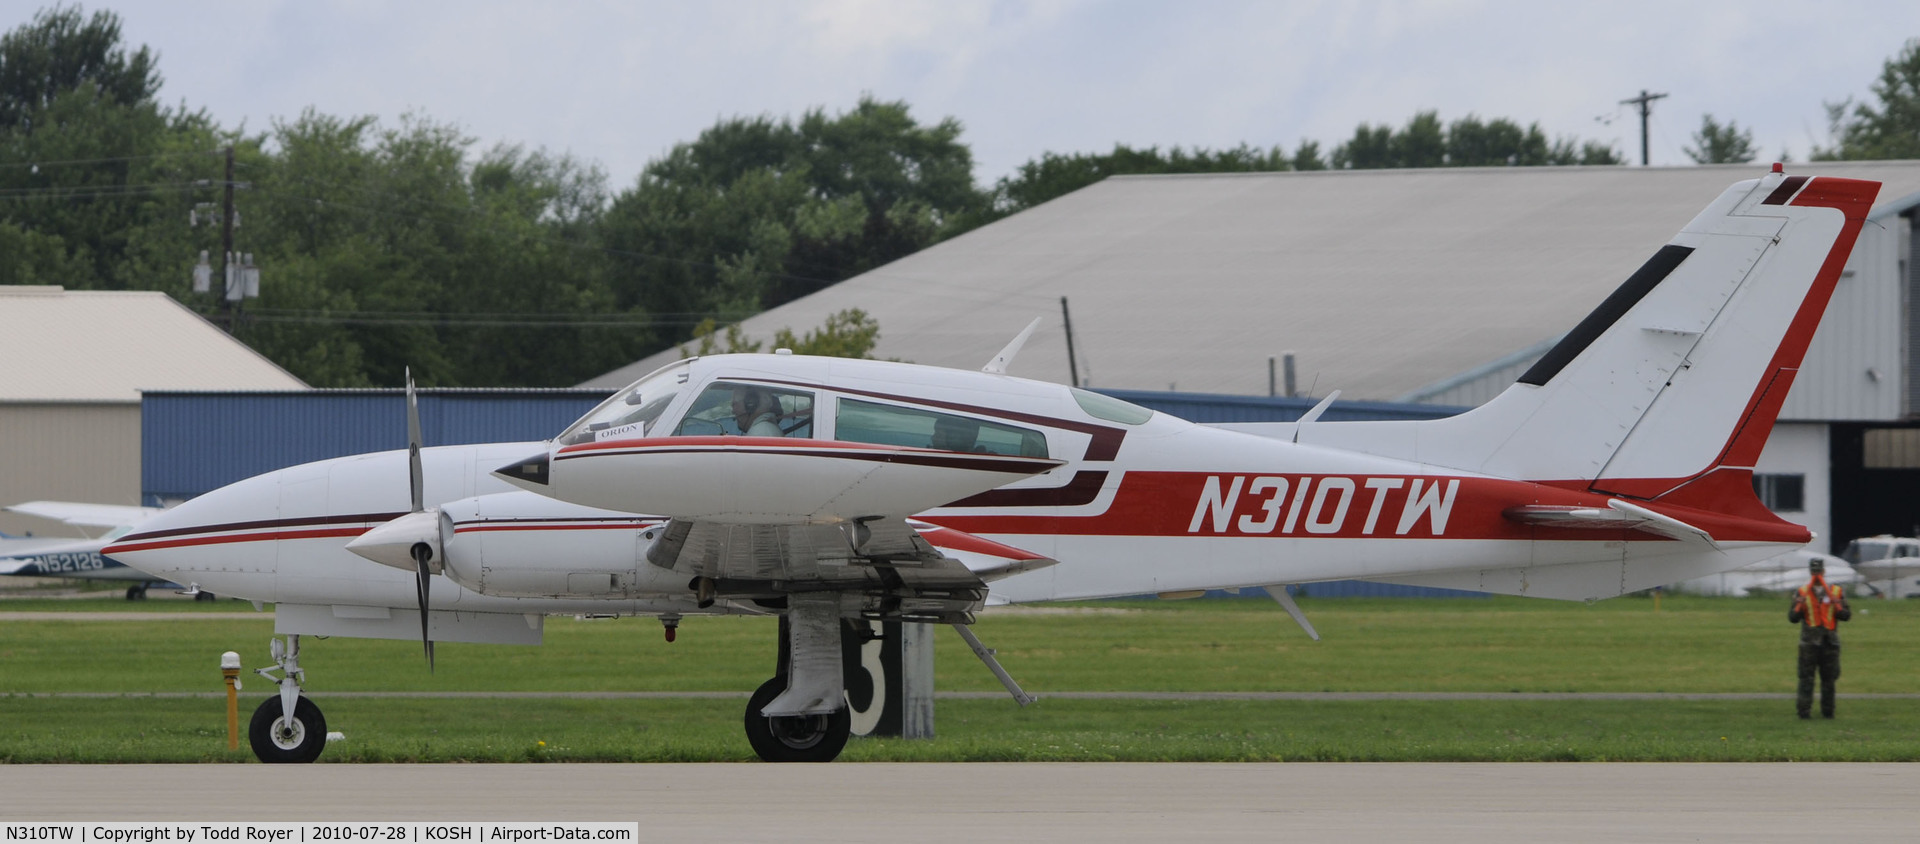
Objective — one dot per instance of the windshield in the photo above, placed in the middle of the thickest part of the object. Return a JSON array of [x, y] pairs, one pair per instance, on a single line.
[[632, 411], [1866, 551]]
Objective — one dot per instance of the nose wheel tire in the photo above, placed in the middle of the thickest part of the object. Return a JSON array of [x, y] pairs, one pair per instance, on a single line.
[[275, 739], [796, 738]]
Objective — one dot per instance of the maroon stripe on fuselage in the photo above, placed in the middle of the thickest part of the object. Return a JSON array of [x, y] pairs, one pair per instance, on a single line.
[[265, 524], [1083, 489], [938, 459]]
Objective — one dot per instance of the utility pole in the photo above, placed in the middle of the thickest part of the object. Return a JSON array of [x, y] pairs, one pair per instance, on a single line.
[[239, 277], [1645, 102], [226, 244]]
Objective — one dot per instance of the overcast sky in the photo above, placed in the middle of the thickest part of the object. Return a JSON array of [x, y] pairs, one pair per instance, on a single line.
[[620, 82]]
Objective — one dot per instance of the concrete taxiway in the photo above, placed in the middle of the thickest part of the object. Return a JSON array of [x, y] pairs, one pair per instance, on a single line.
[[1051, 802]]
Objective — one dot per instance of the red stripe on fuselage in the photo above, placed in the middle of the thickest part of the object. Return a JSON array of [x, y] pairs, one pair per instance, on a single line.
[[229, 538], [1164, 504]]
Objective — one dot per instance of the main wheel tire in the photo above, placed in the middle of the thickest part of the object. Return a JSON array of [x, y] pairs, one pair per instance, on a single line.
[[274, 740], [794, 738], [137, 592], [204, 596]]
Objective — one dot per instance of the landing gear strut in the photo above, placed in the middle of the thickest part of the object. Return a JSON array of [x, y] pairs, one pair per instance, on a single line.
[[287, 727], [801, 714]]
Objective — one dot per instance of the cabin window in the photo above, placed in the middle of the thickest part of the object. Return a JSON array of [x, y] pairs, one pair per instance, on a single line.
[[1781, 493], [1110, 408], [732, 408], [885, 424]]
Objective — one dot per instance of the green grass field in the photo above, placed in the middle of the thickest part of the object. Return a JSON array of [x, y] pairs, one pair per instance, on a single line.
[[1492, 645]]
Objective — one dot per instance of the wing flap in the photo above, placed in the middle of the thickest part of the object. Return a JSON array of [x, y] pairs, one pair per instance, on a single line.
[[900, 575]]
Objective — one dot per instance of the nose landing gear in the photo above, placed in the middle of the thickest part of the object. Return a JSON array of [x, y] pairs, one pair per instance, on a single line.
[[287, 727]]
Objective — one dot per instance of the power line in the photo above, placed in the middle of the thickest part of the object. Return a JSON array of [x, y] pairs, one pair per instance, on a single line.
[[89, 191], [114, 159]]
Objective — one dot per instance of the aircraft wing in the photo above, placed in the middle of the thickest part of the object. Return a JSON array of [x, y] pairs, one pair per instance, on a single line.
[[885, 564], [82, 514]]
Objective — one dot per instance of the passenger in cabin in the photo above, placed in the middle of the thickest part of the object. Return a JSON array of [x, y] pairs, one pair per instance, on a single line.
[[953, 433], [757, 412]]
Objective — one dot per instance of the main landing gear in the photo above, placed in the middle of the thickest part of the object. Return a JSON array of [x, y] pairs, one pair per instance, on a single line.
[[794, 738], [287, 727], [801, 714]]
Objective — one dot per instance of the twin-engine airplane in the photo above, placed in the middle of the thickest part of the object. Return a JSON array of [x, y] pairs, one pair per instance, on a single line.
[[821, 489]]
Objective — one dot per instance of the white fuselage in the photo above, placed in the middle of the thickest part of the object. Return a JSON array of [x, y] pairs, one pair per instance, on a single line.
[[1156, 505]]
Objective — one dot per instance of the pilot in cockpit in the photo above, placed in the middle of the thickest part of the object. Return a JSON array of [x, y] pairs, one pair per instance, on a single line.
[[757, 412], [953, 433]]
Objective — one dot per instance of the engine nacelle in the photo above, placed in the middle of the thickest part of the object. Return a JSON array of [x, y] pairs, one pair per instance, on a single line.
[[522, 545]]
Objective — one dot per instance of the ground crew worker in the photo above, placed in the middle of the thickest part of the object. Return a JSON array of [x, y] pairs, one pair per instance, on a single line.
[[1818, 608]]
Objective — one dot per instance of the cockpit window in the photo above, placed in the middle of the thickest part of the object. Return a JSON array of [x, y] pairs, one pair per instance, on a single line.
[[1867, 550], [1110, 408], [729, 408], [867, 422], [632, 411]]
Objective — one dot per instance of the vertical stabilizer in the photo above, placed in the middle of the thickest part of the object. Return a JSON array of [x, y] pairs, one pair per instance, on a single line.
[[1676, 376]]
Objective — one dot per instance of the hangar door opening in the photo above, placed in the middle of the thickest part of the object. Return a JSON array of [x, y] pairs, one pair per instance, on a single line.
[[1876, 482]]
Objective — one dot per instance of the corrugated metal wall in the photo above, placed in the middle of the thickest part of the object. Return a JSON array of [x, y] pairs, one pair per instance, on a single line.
[[1857, 367], [88, 452], [197, 441], [1853, 367]]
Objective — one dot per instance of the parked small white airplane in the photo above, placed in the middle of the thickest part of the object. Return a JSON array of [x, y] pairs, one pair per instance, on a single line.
[[1887, 565], [78, 559], [823, 489], [1783, 573]]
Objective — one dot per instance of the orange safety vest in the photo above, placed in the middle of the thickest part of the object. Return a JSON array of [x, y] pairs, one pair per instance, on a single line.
[[1819, 613]]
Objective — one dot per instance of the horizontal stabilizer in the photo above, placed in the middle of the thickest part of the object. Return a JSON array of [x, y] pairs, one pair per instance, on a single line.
[[1618, 515]]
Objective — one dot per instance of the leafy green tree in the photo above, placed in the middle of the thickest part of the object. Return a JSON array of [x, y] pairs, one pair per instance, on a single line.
[[1467, 142], [846, 334], [1717, 144], [1887, 129], [1370, 148], [95, 177], [1053, 175], [63, 50], [759, 211], [386, 248], [1423, 143], [1307, 157]]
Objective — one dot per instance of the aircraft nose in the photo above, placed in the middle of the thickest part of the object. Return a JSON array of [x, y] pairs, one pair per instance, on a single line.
[[532, 470]]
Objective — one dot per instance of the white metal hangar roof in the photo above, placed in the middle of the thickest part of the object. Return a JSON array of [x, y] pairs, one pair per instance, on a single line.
[[1381, 281], [106, 346]]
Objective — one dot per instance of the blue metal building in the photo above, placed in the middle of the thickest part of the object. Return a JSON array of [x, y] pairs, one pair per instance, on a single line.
[[195, 441]]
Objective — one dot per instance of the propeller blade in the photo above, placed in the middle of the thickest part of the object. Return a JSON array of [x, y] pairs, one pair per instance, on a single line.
[[421, 554], [413, 455]]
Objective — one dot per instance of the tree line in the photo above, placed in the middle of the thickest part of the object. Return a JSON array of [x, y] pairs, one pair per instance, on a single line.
[[387, 246]]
